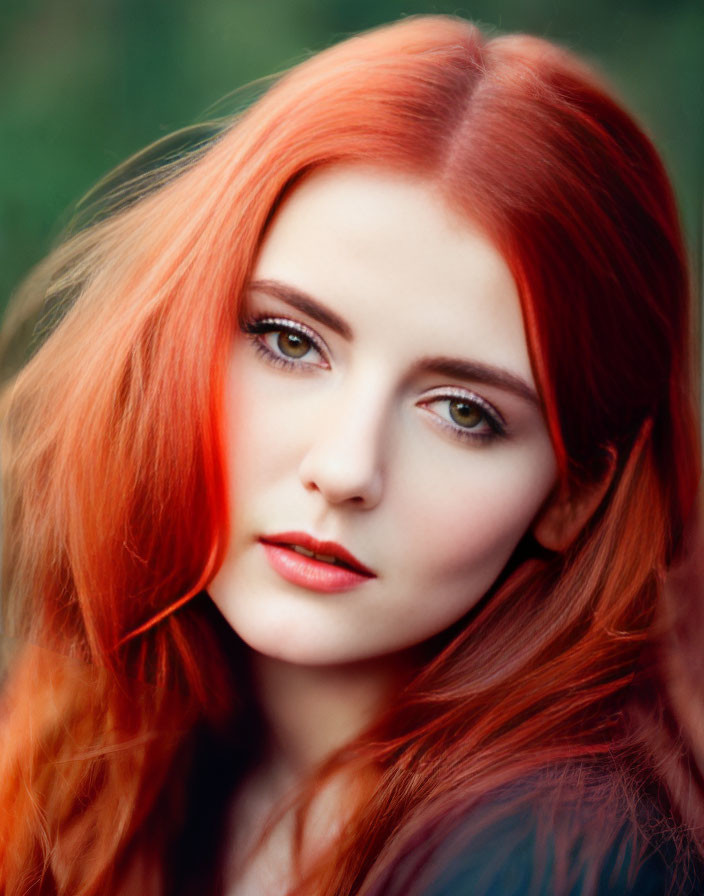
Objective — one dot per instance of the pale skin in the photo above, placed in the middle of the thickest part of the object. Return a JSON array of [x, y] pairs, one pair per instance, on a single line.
[[429, 472]]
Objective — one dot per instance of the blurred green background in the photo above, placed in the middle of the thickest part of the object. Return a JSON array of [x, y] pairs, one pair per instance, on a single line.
[[86, 83]]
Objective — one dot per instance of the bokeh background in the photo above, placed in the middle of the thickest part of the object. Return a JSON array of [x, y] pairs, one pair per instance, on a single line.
[[86, 83]]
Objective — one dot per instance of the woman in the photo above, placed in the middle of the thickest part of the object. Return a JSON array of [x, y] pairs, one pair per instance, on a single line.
[[340, 503]]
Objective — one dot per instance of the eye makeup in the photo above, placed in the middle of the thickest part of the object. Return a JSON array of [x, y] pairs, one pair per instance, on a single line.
[[285, 343], [482, 421], [291, 345]]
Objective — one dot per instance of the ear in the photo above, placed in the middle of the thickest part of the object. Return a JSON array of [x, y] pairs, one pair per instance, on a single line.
[[565, 514]]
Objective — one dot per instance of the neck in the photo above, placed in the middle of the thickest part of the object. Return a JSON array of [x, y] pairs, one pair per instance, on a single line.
[[311, 711]]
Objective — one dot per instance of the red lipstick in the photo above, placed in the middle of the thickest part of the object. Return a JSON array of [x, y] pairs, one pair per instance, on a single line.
[[323, 566]]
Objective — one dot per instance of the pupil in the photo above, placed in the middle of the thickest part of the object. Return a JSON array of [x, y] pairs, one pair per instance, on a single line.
[[293, 345], [465, 414]]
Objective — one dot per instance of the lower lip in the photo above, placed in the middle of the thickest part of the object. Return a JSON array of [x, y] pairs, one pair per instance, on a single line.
[[307, 572]]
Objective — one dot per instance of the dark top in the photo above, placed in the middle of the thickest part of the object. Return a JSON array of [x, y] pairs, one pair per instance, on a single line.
[[516, 857]]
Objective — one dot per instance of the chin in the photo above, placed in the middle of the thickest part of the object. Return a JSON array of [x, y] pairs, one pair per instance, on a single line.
[[302, 652]]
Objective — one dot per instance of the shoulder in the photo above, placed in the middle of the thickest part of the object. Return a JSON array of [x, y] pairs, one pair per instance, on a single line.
[[516, 866], [538, 848]]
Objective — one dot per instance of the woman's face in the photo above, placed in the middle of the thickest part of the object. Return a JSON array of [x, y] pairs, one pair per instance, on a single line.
[[380, 398]]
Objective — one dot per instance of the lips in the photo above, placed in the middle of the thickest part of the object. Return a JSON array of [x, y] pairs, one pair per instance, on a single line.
[[318, 565]]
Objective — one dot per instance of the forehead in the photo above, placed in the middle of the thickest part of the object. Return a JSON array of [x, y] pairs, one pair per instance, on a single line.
[[388, 254]]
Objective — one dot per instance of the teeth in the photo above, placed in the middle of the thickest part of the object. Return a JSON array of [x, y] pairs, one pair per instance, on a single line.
[[325, 558]]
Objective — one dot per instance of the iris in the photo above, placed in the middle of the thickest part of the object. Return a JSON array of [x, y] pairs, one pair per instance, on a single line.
[[293, 345], [465, 413]]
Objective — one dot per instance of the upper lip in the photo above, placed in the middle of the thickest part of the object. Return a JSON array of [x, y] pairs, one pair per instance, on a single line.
[[302, 539]]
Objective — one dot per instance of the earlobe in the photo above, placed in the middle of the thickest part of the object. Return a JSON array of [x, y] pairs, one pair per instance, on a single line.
[[566, 514]]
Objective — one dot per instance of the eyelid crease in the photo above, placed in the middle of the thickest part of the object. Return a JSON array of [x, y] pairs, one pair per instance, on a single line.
[[261, 324], [454, 392], [480, 373], [497, 428], [303, 302]]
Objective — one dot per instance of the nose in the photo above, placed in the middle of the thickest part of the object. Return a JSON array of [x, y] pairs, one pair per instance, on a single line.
[[344, 459]]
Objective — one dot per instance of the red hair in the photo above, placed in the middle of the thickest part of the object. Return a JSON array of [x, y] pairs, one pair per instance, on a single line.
[[115, 468]]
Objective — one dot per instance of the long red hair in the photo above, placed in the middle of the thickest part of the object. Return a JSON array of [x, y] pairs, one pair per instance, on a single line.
[[123, 677]]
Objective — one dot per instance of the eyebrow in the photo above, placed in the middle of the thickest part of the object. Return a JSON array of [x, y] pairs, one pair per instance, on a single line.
[[479, 373], [456, 368], [305, 303]]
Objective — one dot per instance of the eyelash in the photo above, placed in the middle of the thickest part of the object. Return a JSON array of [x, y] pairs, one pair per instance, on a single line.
[[493, 419], [256, 327]]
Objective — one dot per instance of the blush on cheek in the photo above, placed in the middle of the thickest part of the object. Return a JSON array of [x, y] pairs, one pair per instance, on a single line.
[[476, 545]]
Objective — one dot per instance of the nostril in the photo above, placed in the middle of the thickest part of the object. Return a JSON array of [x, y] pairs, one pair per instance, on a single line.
[[338, 486], [344, 467]]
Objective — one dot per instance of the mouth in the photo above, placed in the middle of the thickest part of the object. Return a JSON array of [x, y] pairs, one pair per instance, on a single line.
[[318, 565]]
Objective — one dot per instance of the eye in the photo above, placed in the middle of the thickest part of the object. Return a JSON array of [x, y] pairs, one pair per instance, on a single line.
[[286, 343], [464, 415], [292, 344]]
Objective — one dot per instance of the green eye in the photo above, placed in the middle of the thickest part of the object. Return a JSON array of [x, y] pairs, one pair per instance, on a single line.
[[465, 414], [292, 345]]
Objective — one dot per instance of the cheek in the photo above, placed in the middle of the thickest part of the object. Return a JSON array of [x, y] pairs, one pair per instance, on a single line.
[[261, 435], [468, 520], [253, 420]]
